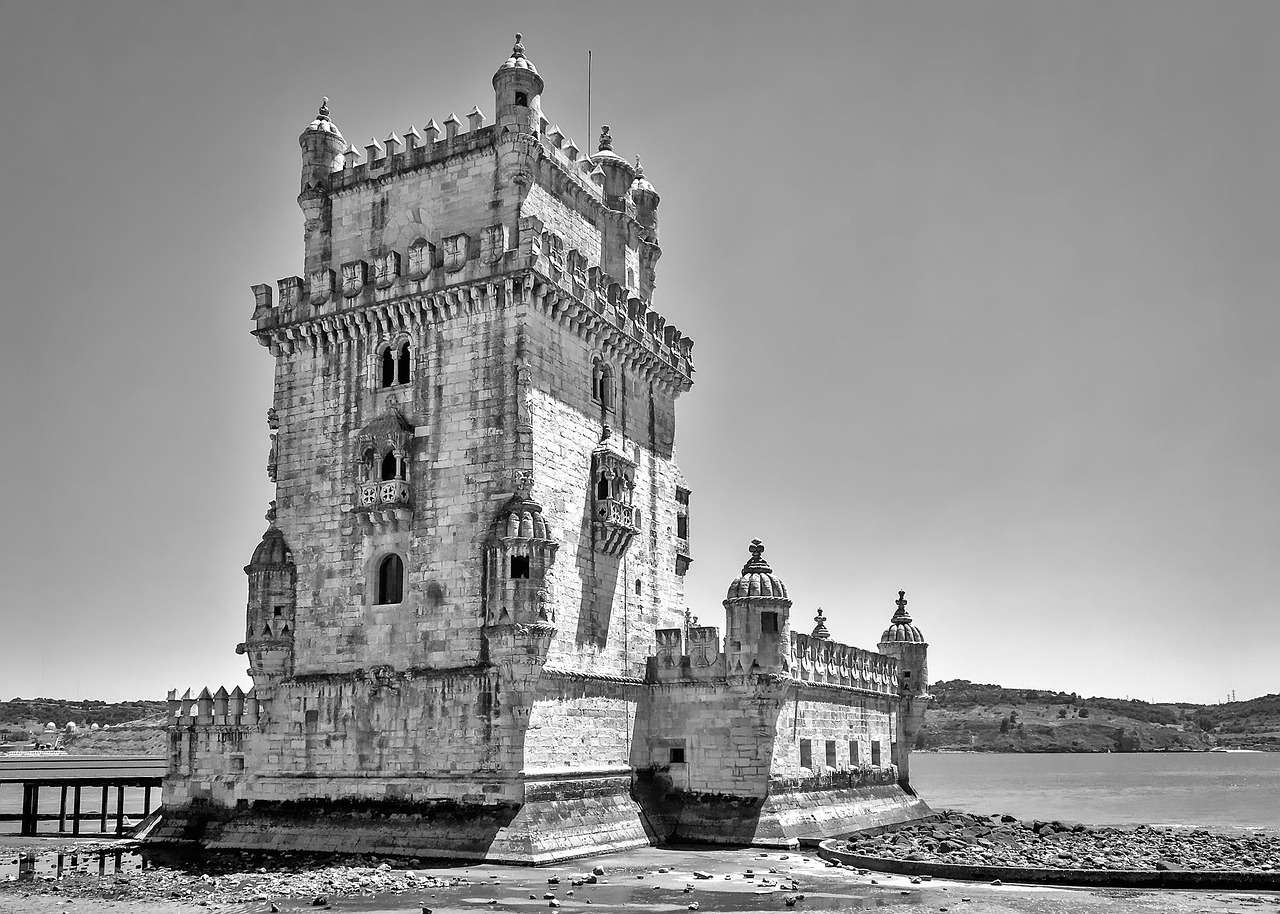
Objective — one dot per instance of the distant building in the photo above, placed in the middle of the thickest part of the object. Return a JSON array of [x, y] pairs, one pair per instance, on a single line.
[[466, 624]]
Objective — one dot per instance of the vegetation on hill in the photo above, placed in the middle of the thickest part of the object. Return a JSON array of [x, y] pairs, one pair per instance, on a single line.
[[984, 717], [22, 718]]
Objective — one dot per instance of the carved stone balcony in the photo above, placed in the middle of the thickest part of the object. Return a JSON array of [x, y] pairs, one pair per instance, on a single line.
[[384, 503], [683, 558], [616, 524]]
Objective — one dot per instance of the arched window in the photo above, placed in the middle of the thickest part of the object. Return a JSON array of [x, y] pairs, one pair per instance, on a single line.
[[396, 365], [390, 579], [402, 365], [392, 466], [597, 377], [388, 367], [602, 487]]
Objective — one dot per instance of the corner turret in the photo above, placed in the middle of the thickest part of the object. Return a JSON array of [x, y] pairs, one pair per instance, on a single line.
[[757, 620], [272, 606], [902, 640], [517, 93], [322, 154], [322, 147], [517, 100]]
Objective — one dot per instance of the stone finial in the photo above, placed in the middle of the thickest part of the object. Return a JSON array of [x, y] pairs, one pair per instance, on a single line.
[[820, 630], [372, 149], [606, 141], [452, 125], [518, 49], [757, 563], [412, 138], [324, 109], [393, 143], [901, 614], [271, 513], [351, 156], [432, 130], [639, 168], [476, 118]]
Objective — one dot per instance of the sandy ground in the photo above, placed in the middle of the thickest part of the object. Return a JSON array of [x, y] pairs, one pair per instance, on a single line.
[[632, 882]]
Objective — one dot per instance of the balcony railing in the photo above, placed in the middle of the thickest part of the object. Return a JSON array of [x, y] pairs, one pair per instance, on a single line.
[[385, 492]]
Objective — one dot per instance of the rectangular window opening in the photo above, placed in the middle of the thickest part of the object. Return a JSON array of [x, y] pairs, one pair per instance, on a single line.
[[313, 721], [769, 623], [278, 612], [677, 755], [854, 755], [519, 566], [806, 753], [875, 753], [831, 753]]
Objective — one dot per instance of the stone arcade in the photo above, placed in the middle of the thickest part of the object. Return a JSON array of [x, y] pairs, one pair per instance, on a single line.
[[466, 624]]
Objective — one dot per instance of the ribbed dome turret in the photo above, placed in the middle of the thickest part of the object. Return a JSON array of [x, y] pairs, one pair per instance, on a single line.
[[517, 61], [322, 124], [271, 551], [757, 579], [523, 518], [605, 154], [900, 628], [641, 185]]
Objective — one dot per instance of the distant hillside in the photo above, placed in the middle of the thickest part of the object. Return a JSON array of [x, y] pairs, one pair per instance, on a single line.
[[981, 717], [1252, 724], [136, 727]]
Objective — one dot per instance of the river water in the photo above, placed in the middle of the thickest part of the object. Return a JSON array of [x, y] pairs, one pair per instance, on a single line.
[[1220, 790]]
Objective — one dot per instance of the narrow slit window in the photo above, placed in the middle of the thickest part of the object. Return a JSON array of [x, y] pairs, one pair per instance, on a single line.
[[831, 753], [854, 756], [875, 753], [806, 753]]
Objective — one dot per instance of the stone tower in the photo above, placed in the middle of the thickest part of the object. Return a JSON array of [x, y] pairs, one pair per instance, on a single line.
[[474, 535], [902, 640], [466, 625]]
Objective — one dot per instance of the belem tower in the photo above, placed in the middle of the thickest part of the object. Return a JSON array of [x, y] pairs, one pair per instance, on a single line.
[[466, 623]]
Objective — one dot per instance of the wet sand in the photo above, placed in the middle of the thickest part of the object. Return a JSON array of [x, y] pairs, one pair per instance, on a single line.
[[646, 880]]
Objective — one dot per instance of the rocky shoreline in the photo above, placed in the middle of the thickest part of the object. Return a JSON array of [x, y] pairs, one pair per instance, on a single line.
[[1003, 840]]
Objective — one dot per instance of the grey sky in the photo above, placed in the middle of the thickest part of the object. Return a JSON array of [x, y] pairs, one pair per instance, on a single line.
[[983, 297]]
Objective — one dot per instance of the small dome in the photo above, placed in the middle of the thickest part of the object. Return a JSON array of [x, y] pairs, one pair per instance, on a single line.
[[322, 124], [606, 155], [271, 551], [900, 629], [517, 61], [757, 579], [523, 518], [641, 184]]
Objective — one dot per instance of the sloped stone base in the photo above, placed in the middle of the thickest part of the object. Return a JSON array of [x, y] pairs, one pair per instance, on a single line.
[[787, 819], [556, 822]]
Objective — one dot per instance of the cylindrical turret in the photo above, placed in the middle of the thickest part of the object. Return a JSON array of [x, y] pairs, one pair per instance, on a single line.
[[646, 199], [903, 641], [618, 173], [322, 145], [757, 620], [517, 99], [517, 93], [269, 615]]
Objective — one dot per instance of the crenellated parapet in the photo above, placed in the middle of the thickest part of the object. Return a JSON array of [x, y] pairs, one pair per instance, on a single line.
[[210, 732], [823, 661]]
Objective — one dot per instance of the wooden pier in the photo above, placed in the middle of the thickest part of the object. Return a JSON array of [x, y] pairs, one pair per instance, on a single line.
[[71, 775]]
